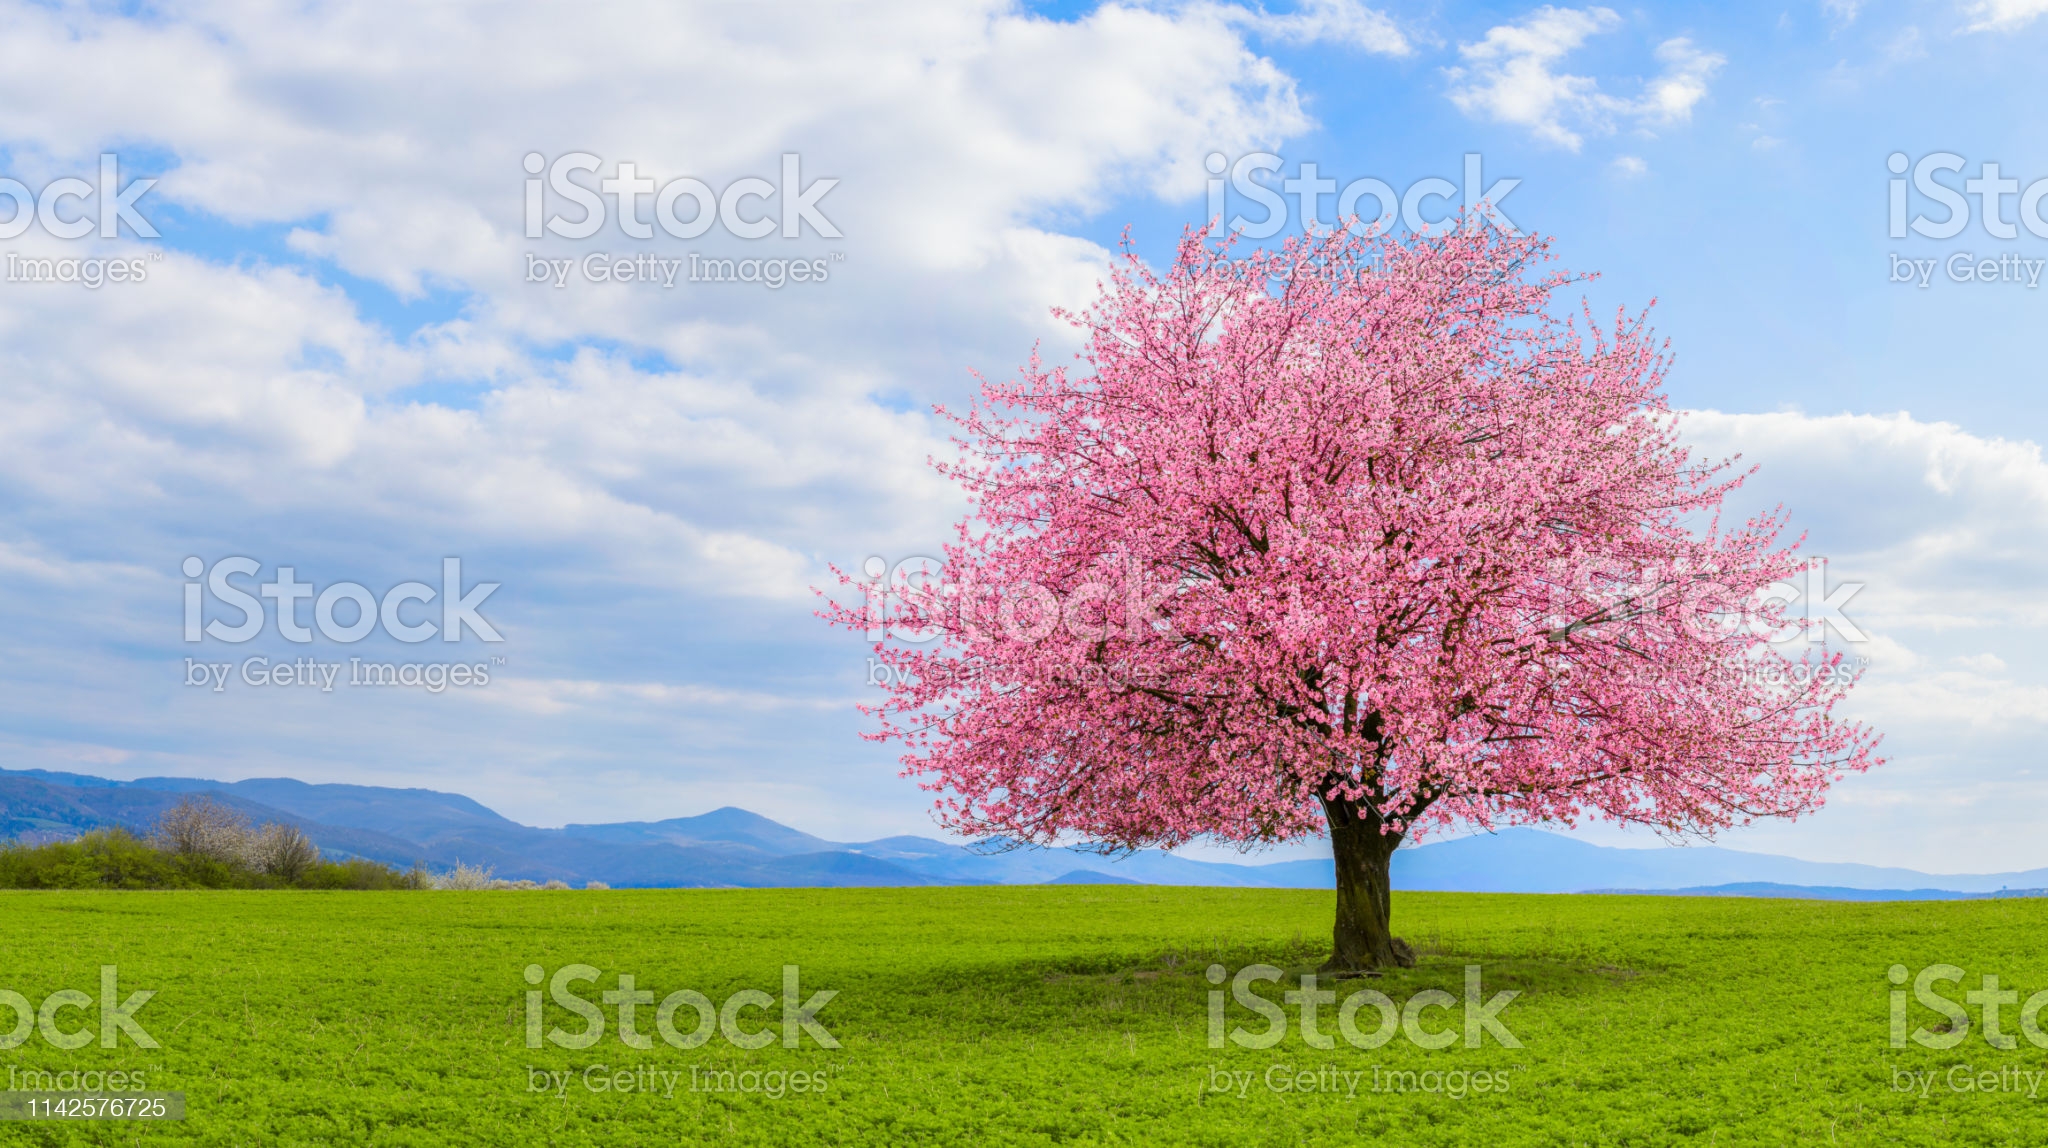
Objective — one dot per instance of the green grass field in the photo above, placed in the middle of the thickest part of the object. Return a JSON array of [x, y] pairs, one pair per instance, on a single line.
[[1033, 1015]]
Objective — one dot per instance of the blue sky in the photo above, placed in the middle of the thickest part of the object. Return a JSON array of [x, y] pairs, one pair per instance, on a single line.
[[339, 359]]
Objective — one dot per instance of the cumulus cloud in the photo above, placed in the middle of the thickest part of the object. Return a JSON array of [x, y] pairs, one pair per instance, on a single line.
[[394, 152], [951, 128], [1946, 531], [657, 476], [1670, 97], [1512, 76], [2003, 15], [1509, 76], [1344, 22]]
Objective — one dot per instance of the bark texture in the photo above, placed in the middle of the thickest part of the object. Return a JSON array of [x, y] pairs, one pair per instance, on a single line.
[[1363, 937]]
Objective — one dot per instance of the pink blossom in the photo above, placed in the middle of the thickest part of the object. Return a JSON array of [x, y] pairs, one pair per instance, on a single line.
[[1353, 525]]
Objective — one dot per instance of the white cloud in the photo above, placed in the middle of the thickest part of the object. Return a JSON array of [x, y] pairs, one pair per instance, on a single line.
[[557, 696], [2003, 15], [953, 129], [1631, 166], [1345, 22], [945, 122], [1947, 530], [1511, 76], [1671, 96], [656, 476]]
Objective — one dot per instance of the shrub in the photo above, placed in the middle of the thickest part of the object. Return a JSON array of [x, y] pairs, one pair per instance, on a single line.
[[116, 859], [464, 877], [281, 851], [202, 827], [106, 858], [356, 873]]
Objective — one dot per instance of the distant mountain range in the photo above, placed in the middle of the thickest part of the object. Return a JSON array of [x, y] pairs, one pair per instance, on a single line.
[[734, 848], [1826, 892], [724, 848]]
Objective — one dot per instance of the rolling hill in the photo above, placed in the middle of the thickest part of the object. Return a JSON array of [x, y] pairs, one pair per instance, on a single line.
[[734, 848]]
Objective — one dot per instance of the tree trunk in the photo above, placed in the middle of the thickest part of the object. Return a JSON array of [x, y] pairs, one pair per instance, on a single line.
[[1363, 937]]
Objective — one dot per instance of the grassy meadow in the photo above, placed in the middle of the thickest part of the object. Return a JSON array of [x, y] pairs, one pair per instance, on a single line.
[[1023, 1015]]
